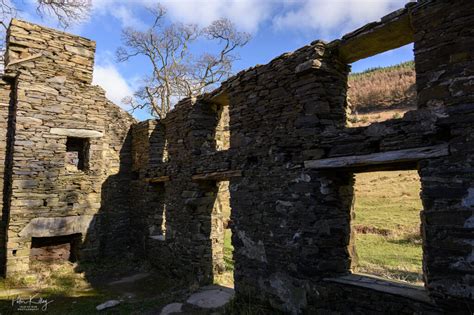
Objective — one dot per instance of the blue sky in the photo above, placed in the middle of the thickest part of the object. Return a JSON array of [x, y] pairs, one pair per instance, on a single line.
[[277, 26]]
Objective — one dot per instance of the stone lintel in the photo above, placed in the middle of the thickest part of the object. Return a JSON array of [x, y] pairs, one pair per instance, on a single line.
[[393, 287], [391, 32], [57, 226], [390, 157], [217, 175], [79, 133]]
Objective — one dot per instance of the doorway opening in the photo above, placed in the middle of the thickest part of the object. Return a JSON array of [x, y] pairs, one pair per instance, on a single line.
[[221, 236]]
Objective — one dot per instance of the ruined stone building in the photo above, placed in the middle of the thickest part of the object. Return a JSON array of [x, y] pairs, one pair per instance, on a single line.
[[272, 144]]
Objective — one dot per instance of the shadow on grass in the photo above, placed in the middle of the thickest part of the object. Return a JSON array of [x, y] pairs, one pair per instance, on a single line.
[[248, 305], [60, 305], [68, 291], [407, 239]]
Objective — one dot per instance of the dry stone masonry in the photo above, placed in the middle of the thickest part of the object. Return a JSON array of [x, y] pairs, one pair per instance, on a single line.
[[67, 150], [271, 146]]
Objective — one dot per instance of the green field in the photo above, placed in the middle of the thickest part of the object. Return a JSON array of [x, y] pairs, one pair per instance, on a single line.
[[387, 225]]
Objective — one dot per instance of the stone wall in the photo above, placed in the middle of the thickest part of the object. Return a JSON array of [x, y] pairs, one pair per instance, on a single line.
[[271, 146], [290, 167], [5, 168], [73, 55], [444, 59], [54, 102]]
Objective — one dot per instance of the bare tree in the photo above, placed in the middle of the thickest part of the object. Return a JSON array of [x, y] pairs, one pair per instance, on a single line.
[[65, 11], [177, 73]]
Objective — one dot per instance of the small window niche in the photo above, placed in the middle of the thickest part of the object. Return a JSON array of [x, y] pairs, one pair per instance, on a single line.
[[156, 218], [77, 154]]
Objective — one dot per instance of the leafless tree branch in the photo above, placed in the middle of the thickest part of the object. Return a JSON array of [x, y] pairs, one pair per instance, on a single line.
[[66, 11], [175, 72]]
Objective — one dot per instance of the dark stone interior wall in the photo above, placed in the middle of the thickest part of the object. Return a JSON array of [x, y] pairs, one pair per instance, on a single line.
[[444, 59]]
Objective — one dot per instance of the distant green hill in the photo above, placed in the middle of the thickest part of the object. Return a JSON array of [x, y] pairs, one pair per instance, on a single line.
[[383, 87]]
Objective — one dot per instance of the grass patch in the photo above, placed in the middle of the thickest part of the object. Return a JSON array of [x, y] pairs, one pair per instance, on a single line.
[[228, 251], [78, 289], [227, 277], [387, 225]]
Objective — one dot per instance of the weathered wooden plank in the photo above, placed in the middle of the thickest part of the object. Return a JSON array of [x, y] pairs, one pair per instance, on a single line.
[[398, 156], [29, 58], [217, 175], [159, 179], [221, 98], [378, 37]]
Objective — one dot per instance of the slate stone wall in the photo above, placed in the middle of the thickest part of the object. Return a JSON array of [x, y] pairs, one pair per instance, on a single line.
[[5, 169], [444, 59], [290, 223], [159, 188], [53, 101]]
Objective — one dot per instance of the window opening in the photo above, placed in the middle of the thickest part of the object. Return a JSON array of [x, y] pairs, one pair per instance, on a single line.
[[381, 87], [386, 225], [77, 150], [221, 236], [222, 134]]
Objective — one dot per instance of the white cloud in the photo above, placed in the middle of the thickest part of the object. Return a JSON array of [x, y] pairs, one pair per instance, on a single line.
[[325, 16], [337, 16], [246, 14], [127, 18], [122, 10], [109, 78]]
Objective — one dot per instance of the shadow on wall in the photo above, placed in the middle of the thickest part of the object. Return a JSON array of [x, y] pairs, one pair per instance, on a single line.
[[173, 218], [108, 234], [148, 190]]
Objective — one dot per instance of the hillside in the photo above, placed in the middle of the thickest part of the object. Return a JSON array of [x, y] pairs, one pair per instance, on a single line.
[[379, 94], [379, 89]]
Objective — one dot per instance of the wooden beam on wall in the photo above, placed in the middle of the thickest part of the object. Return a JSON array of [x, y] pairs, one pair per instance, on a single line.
[[159, 179], [393, 31], [389, 157], [217, 175]]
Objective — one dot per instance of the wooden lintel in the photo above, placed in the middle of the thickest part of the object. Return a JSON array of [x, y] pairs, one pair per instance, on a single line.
[[217, 175], [159, 179], [390, 157], [29, 58], [222, 98], [376, 38]]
